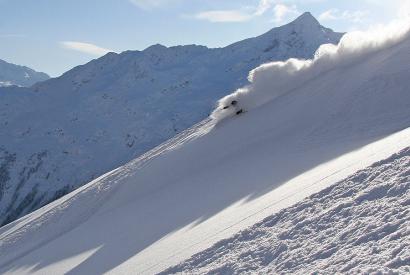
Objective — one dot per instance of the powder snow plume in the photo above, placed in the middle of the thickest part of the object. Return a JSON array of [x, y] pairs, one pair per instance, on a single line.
[[275, 79]]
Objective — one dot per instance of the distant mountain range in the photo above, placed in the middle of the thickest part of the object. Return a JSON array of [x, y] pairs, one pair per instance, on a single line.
[[11, 74], [59, 134]]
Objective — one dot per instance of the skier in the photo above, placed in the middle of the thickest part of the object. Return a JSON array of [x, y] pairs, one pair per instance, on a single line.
[[234, 104]]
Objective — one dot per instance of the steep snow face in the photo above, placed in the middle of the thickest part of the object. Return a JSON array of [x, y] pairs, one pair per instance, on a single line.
[[64, 132], [11, 74], [359, 225], [216, 179]]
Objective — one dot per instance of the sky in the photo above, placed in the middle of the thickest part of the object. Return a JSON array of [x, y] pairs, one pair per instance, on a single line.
[[54, 36]]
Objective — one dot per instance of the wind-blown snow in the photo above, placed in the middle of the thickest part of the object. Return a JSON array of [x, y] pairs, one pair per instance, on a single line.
[[274, 79], [360, 225]]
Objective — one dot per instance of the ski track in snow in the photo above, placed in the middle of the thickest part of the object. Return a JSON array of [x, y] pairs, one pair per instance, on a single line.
[[360, 225]]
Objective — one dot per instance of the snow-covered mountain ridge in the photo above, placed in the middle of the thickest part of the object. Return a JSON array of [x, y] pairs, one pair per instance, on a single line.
[[61, 133], [11, 74], [220, 177]]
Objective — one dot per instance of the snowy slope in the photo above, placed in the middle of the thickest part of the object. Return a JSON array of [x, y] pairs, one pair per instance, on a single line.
[[11, 74], [357, 226], [64, 132], [224, 175]]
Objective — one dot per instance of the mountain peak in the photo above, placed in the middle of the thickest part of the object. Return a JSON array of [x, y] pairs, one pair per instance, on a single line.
[[306, 18], [12, 74], [155, 48]]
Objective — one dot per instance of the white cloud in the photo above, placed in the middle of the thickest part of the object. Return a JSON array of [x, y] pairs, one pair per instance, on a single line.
[[352, 16], [249, 12], [223, 16], [281, 11], [85, 48], [328, 15], [263, 6]]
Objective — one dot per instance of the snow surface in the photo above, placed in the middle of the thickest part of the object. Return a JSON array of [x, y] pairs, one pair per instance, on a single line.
[[360, 225], [217, 179], [11, 74], [65, 132]]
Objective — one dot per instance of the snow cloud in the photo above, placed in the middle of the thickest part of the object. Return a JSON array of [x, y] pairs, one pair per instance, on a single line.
[[85, 48], [242, 14], [269, 81]]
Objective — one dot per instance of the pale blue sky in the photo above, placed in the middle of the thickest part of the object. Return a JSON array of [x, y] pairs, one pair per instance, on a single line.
[[56, 35]]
